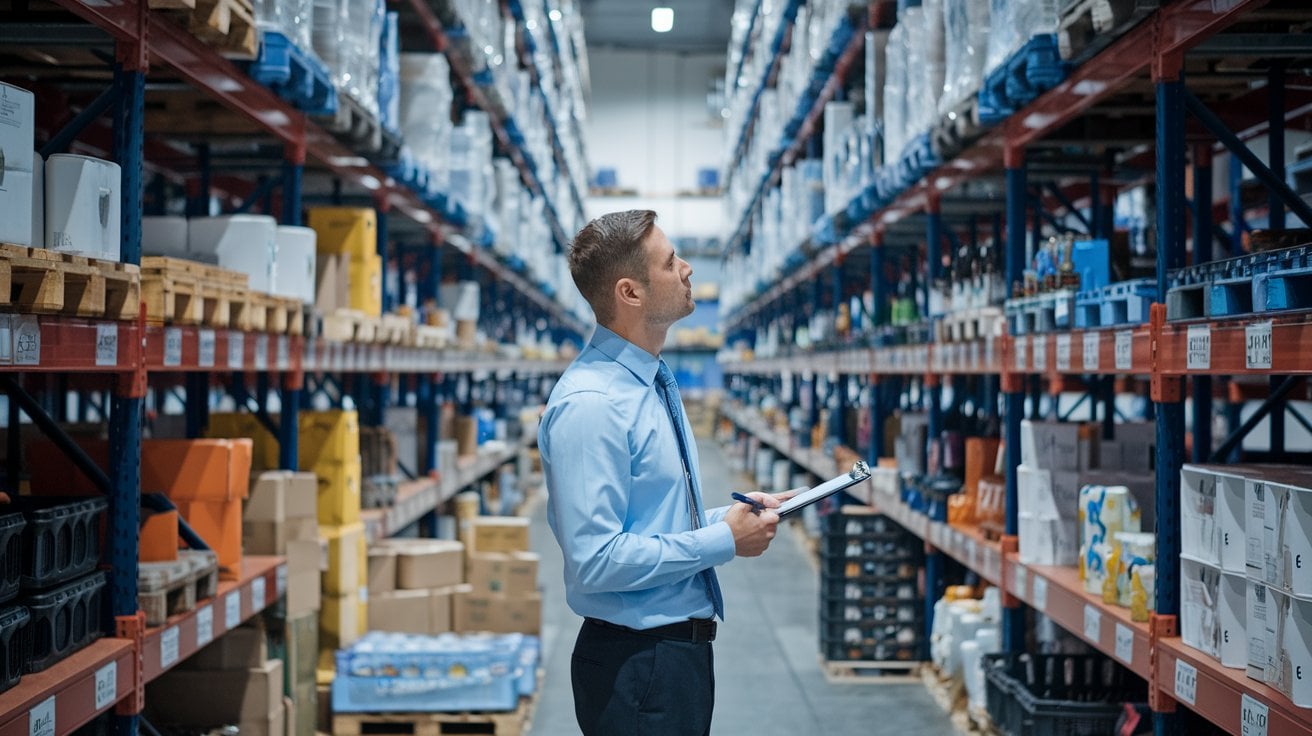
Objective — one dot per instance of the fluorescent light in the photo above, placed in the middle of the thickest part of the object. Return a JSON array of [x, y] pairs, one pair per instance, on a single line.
[[554, 15], [662, 20]]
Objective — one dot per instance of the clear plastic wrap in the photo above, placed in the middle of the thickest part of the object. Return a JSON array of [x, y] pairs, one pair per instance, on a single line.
[[1012, 23], [895, 93], [966, 25], [425, 112]]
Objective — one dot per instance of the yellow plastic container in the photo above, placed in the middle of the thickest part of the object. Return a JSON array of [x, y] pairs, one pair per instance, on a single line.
[[365, 284], [341, 622], [339, 492], [350, 231], [328, 437], [347, 559]]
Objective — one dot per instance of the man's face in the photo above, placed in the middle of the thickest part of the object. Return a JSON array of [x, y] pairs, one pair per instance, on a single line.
[[669, 285]]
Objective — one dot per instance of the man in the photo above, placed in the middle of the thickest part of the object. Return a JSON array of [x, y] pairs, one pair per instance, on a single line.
[[624, 496]]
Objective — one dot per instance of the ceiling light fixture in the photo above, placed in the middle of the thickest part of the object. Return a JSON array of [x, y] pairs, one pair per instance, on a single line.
[[555, 15], [662, 20]]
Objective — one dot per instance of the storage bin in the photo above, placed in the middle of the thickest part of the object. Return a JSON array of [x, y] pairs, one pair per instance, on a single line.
[[15, 645], [11, 555], [1058, 694], [64, 619], [62, 538]]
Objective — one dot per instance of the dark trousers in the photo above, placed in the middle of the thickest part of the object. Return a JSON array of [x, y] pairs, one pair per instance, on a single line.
[[627, 683]]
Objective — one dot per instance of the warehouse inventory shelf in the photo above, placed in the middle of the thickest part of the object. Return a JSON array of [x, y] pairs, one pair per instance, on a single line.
[[72, 692], [1225, 697]]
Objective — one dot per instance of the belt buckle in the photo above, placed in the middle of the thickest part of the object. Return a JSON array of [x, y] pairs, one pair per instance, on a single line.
[[703, 630]]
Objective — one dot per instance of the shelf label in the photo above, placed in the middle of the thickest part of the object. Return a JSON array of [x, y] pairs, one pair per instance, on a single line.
[[1040, 594], [1092, 623], [232, 610], [1092, 342], [1199, 348], [27, 340], [236, 349], [168, 647], [1125, 350], [1186, 682], [1022, 579], [1257, 345], [283, 352], [106, 685], [280, 582], [41, 719], [1039, 346], [173, 346], [1064, 351], [1253, 716], [1124, 643], [106, 344], [1022, 343], [257, 594], [261, 352], [204, 626], [1061, 310], [205, 352]]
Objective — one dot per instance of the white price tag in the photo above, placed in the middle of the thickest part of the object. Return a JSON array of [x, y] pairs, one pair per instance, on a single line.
[[1124, 350], [1092, 623], [1253, 716], [257, 594], [27, 340], [168, 647], [1061, 310], [106, 685], [283, 353], [232, 610], [41, 719], [1064, 351], [972, 553], [1091, 344], [281, 581], [1022, 580], [1022, 346], [205, 352], [1124, 643], [6, 339], [1199, 348], [1257, 345], [1039, 346], [236, 349], [1186, 682], [204, 626], [261, 352], [1040, 594], [106, 344], [173, 346]]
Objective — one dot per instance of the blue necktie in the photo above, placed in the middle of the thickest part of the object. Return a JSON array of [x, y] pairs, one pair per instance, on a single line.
[[669, 393]]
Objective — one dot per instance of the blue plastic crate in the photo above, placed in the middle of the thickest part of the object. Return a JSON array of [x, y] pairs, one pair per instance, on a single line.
[[294, 75], [1031, 70]]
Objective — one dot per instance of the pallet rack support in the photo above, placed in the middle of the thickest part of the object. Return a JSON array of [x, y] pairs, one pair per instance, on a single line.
[[1202, 243], [1275, 95], [1013, 624]]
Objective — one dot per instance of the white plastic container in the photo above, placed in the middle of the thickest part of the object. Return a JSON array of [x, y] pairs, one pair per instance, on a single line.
[[1296, 652], [38, 201], [17, 160], [164, 235], [245, 243], [83, 206], [295, 263]]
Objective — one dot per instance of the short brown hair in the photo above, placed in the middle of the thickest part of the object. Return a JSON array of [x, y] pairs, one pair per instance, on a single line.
[[606, 250]]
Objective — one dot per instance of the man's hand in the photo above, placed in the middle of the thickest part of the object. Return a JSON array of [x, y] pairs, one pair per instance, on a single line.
[[752, 531]]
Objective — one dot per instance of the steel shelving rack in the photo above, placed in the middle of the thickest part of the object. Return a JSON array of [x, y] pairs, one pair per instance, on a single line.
[[1146, 72], [115, 365]]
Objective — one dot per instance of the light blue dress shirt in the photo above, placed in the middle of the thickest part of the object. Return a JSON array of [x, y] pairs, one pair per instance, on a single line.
[[617, 500]]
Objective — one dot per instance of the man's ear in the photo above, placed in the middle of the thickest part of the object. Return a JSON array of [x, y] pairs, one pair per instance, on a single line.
[[629, 291]]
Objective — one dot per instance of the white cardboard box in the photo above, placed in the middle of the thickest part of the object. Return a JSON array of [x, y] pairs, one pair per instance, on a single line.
[[83, 206], [296, 262], [17, 159], [38, 201], [245, 243]]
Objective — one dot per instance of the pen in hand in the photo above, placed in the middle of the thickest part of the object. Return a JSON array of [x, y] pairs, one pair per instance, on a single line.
[[757, 506]]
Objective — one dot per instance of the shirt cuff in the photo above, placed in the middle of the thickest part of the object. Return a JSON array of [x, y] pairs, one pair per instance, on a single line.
[[717, 543]]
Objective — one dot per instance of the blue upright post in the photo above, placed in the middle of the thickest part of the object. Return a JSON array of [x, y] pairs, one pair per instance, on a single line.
[[1013, 631], [1095, 207], [200, 206], [877, 388], [813, 415], [1275, 91], [933, 271], [1168, 392], [1202, 385], [289, 423], [197, 406], [431, 406]]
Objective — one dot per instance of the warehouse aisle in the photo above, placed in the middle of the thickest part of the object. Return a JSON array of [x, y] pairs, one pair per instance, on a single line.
[[768, 678]]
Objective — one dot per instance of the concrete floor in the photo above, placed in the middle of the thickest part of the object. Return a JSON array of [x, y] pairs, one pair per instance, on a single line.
[[768, 677]]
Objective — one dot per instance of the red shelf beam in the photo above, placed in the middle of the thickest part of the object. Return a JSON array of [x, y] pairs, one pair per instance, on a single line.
[[1221, 348], [82, 686], [1219, 693]]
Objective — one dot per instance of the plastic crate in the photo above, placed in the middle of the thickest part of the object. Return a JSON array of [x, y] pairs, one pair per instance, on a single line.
[[842, 651], [857, 525], [11, 555], [880, 610], [1058, 694], [891, 589], [64, 619], [874, 569], [63, 537], [872, 546], [15, 645]]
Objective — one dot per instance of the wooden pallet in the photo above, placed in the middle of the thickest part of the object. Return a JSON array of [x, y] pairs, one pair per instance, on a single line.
[[276, 314], [178, 291], [350, 325], [396, 329], [165, 589], [513, 723], [427, 336], [40, 281], [872, 673], [226, 25]]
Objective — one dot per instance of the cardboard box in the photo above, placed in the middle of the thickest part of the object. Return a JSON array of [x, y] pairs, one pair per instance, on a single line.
[[429, 563], [382, 569], [1059, 445], [307, 711], [304, 592], [241, 424], [512, 573], [272, 537], [365, 287], [401, 611], [159, 536], [295, 641], [274, 724], [279, 495], [245, 647], [197, 470], [17, 159], [440, 613], [344, 571], [466, 433], [498, 534], [219, 524], [216, 697], [500, 614], [339, 492]]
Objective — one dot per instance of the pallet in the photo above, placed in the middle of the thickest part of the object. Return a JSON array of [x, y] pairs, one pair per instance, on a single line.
[[166, 589], [871, 673], [360, 129], [276, 314], [1033, 69], [960, 128], [427, 336], [350, 325], [396, 329], [294, 74], [226, 25], [178, 291], [513, 723], [1088, 26], [1041, 313], [41, 281], [1123, 303], [970, 324]]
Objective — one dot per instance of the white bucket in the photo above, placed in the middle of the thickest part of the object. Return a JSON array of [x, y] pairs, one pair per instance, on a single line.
[[83, 206], [295, 263], [164, 236], [245, 243]]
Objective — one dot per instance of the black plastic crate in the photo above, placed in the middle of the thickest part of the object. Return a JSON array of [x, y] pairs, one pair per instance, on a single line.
[[841, 651], [65, 619], [11, 555], [62, 536], [856, 525], [841, 568], [875, 546], [1058, 694], [15, 645], [880, 610], [870, 633], [866, 590]]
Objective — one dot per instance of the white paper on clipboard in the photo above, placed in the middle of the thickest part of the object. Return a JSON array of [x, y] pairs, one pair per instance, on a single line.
[[860, 471]]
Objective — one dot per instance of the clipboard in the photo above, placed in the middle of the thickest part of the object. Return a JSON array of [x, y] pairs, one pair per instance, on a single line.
[[859, 472]]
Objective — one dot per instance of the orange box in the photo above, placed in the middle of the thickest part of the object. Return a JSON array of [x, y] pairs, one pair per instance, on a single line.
[[159, 537], [219, 524], [981, 456], [197, 470]]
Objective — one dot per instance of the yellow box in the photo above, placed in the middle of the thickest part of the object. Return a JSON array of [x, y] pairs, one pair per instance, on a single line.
[[332, 436], [351, 231], [346, 561], [342, 621], [264, 452], [365, 284], [339, 492]]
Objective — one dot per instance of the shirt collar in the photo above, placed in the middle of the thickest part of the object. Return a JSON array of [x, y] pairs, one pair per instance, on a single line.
[[642, 364]]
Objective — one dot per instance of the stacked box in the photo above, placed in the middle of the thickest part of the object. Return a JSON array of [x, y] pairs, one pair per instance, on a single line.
[[282, 508], [350, 235], [344, 614], [295, 641], [412, 583], [330, 448]]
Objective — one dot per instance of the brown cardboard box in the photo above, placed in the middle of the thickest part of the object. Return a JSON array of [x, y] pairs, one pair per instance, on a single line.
[[216, 697], [304, 586], [331, 285], [307, 709], [271, 537], [498, 534], [403, 611], [512, 573], [501, 614], [382, 568], [439, 610], [466, 434], [428, 563], [347, 558], [289, 708], [242, 648], [274, 724]]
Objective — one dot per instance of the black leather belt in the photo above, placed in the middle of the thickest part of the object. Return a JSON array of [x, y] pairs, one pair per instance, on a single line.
[[694, 630]]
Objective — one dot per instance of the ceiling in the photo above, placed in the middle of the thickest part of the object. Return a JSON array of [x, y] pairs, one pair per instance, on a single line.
[[700, 26]]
